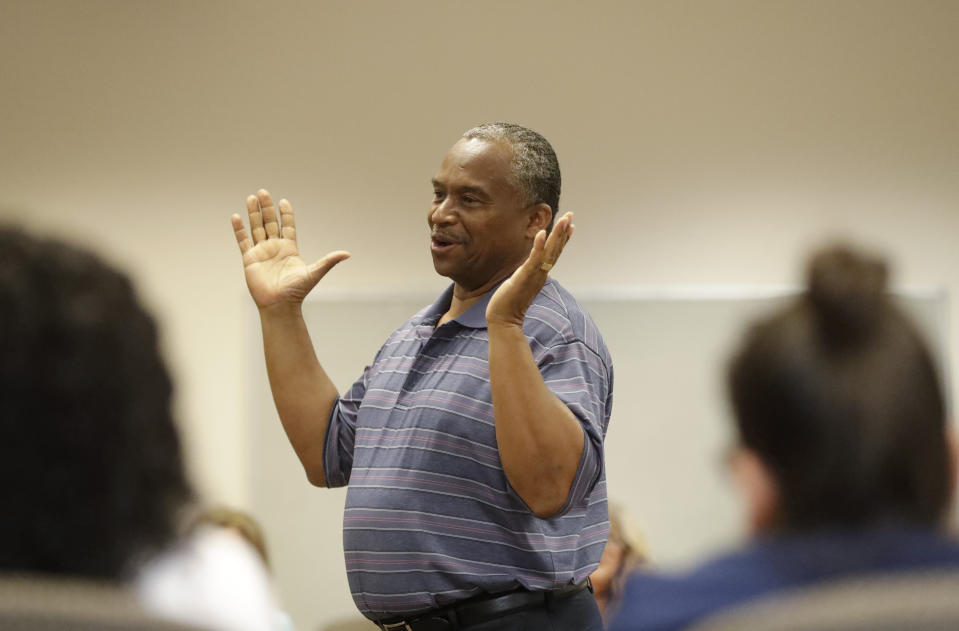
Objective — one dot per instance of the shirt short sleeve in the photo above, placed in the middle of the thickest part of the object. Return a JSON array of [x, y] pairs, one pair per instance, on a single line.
[[341, 434], [582, 379]]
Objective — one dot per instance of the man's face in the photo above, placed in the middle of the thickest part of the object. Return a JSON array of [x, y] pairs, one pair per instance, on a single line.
[[479, 221]]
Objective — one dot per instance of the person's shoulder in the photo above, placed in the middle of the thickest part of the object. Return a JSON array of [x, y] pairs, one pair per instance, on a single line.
[[555, 296], [654, 601], [557, 313], [211, 578], [659, 602]]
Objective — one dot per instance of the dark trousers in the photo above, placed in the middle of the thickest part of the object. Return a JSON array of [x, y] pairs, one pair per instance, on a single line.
[[573, 613]]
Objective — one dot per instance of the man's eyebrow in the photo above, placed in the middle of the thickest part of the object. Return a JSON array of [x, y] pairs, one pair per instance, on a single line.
[[469, 188], [476, 190]]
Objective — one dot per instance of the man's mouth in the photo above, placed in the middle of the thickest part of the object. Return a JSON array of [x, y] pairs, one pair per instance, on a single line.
[[442, 242]]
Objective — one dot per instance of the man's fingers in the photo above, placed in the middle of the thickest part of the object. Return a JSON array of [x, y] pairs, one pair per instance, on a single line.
[[559, 238], [546, 250], [242, 236], [319, 269], [270, 223], [553, 245], [539, 242], [288, 231], [265, 223], [256, 219], [537, 256], [564, 223]]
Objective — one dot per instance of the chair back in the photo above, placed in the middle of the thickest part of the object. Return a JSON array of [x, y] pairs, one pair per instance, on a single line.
[[52, 604]]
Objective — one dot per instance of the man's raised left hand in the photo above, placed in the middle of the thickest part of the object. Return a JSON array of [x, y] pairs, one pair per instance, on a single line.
[[509, 303]]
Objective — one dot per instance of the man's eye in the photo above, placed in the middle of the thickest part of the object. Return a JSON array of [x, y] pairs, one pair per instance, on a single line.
[[437, 195], [469, 199]]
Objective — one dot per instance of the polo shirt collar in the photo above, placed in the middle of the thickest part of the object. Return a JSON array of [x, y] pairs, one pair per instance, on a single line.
[[474, 317]]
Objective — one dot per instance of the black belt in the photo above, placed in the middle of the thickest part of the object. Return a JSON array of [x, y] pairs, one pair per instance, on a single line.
[[481, 609]]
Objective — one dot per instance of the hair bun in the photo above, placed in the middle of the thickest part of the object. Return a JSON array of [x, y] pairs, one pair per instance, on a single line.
[[847, 289]]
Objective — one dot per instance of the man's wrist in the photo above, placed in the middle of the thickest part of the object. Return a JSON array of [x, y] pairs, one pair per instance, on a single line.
[[506, 336], [504, 328], [281, 310]]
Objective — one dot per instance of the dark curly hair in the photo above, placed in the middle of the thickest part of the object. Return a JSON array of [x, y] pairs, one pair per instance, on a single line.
[[839, 396], [91, 463]]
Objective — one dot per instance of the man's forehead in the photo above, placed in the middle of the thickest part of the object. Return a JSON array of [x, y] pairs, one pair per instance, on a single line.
[[481, 146], [476, 158]]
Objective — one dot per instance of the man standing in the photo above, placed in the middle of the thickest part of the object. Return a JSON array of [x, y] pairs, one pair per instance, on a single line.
[[473, 444]]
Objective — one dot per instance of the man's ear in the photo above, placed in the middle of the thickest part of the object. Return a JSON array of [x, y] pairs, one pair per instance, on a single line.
[[759, 488], [540, 216]]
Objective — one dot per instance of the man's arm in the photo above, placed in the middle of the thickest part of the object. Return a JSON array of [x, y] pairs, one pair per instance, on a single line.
[[278, 281], [540, 441]]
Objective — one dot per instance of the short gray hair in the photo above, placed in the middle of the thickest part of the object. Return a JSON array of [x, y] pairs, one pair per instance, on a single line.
[[535, 169]]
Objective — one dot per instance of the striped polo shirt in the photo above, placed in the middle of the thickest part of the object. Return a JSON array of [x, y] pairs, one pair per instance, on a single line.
[[430, 517]]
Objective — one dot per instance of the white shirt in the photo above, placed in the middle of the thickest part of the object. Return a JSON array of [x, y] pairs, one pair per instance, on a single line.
[[212, 579]]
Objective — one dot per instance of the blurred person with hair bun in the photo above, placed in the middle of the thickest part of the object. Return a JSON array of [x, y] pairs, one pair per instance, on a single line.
[[843, 451]]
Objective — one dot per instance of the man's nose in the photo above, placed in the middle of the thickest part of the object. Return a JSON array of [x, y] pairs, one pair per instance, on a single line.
[[442, 213]]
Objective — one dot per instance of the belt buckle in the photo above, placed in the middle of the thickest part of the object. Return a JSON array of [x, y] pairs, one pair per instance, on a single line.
[[402, 625]]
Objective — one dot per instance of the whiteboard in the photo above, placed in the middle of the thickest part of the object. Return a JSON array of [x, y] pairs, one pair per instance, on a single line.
[[669, 428]]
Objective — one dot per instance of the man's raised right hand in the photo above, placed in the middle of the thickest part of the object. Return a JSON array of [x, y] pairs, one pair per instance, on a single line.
[[275, 273]]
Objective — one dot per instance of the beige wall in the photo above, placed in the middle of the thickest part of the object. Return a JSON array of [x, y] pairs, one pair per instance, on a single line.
[[701, 142]]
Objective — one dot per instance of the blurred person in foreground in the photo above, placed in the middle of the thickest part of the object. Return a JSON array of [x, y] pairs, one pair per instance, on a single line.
[[94, 486], [843, 456], [472, 445], [248, 528]]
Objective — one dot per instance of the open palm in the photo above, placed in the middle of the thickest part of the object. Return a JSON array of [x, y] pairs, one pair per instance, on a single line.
[[274, 271]]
